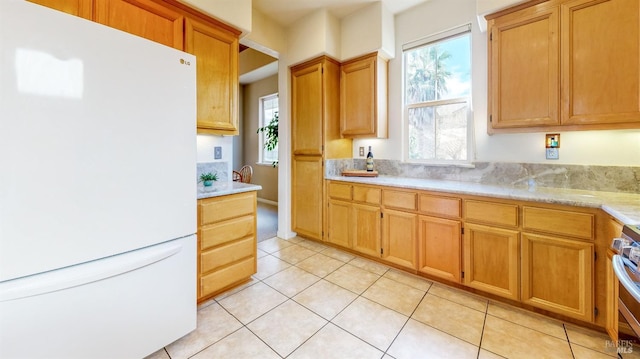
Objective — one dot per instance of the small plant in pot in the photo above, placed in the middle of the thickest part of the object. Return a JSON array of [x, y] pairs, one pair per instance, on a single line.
[[208, 178]]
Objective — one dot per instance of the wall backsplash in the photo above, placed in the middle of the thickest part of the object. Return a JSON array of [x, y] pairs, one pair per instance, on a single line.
[[221, 168], [592, 178]]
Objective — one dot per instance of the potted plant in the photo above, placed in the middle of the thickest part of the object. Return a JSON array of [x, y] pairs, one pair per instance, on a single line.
[[207, 178], [271, 134]]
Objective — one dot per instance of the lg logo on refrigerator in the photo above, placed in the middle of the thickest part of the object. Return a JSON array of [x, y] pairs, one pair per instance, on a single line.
[[185, 62]]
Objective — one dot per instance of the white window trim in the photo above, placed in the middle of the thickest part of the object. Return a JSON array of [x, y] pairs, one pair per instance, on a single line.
[[261, 123], [469, 162]]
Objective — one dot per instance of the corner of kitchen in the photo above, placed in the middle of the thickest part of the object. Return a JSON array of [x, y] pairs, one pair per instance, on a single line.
[[443, 178]]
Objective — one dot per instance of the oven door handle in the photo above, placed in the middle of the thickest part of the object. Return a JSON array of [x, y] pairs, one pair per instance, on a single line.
[[623, 277]]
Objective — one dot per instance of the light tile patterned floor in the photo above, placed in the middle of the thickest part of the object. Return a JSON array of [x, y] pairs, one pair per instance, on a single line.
[[312, 301]]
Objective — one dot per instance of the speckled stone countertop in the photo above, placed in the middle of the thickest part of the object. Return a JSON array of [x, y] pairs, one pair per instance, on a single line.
[[623, 206], [225, 188]]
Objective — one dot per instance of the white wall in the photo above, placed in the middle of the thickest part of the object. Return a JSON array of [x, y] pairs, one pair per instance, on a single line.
[[582, 147], [368, 30], [266, 35], [236, 13], [313, 35], [206, 144]]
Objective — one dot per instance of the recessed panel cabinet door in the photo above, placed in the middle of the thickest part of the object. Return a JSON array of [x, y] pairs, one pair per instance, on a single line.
[[81, 8], [144, 18], [601, 61], [365, 226], [216, 51], [306, 107], [439, 251], [491, 260], [557, 275], [399, 231], [338, 223], [524, 73], [306, 196]]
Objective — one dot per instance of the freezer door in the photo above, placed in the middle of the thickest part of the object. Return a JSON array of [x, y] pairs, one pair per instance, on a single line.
[[126, 306], [97, 141]]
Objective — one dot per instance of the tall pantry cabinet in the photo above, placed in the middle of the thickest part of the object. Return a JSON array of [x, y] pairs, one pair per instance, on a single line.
[[315, 137]]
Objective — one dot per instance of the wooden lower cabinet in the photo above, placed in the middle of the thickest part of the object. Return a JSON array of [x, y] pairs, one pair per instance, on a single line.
[[307, 195], [226, 242], [491, 260], [557, 275], [365, 229], [399, 238], [439, 252], [338, 223]]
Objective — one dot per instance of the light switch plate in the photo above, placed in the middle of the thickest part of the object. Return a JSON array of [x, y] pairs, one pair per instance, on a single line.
[[217, 153], [361, 151], [553, 153]]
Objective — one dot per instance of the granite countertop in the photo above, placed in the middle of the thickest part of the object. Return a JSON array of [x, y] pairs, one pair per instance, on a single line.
[[225, 188], [625, 207]]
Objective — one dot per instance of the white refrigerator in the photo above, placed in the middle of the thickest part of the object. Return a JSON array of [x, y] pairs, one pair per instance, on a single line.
[[97, 189]]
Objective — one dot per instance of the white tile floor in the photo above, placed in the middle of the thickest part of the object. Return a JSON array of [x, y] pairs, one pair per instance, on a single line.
[[312, 301]]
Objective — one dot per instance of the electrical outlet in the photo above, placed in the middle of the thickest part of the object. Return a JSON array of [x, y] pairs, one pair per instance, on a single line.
[[361, 151], [217, 153], [553, 154]]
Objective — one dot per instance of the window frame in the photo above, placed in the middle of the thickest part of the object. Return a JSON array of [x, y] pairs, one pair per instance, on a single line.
[[261, 123], [462, 30]]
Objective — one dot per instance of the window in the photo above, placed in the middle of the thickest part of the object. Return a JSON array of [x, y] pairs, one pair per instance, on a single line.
[[437, 97], [268, 117]]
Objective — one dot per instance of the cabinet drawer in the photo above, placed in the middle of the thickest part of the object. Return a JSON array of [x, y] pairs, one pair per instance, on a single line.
[[439, 206], [340, 191], [575, 224], [366, 194], [224, 277], [399, 199], [220, 208], [493, 213], [219, 233], [223, 255]]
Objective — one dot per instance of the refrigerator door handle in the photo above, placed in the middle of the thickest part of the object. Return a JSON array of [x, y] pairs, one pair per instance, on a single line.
[[85, 273]]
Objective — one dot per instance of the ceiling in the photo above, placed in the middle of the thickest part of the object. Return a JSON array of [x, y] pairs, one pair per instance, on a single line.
[[286, 12]]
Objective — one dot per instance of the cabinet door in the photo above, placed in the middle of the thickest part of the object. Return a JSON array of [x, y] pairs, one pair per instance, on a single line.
[[306, 196], [365, 229], [491, 260], [613, 292], [524, 69], [358, 100], [338, 223], [439, 252], [144, 18], [306, 110], [82, 8], [557, 275], [399, 238], [216, 50], [601, 61]]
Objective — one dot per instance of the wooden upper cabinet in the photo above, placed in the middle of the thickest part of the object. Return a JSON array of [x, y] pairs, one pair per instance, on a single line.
[[81, 8], [216, 51], [363, 97], [601, 61], [565, 65], [143, 18], [524, 69], [306, 108]]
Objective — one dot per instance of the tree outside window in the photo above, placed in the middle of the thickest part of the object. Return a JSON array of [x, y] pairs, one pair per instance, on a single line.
[[268, 130], [437, 99]]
